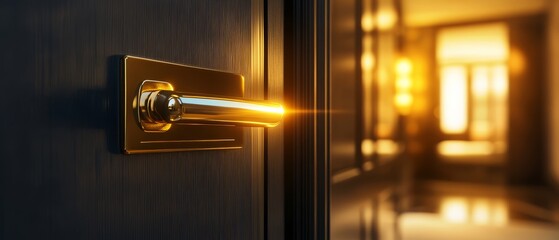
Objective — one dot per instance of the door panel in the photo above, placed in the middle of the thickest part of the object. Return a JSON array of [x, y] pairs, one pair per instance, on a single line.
[[63, 176]]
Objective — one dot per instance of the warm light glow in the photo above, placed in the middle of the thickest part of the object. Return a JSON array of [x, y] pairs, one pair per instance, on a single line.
[[403, 66], [500, 112], [367, 22], [500, 213], [480, 124], [367, 61], [404, 83], [469, 218], [386, 18], [423, 13], [367, 65], [384, 129], [455, 210], [500, 80], [465, 148], [262, 107], [454, 99], [403, 98], [381, 147], [489, 89], [480, 81], [281, 110], [481, 130], [367, 147], [488, 42], [479, 211], [403, 101], [477, 53], [387, 147], [517, 61], [345, 175]]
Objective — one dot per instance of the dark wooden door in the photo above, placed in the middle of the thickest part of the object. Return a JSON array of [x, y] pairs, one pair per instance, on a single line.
[[63, 174]]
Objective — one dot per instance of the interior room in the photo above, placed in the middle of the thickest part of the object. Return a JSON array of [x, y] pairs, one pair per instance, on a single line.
[[279, 119], [445, 119]]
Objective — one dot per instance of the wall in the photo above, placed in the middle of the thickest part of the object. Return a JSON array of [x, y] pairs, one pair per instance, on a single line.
[[553, 98]]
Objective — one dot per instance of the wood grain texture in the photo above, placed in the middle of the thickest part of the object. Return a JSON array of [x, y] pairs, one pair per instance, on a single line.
[[62, 174]]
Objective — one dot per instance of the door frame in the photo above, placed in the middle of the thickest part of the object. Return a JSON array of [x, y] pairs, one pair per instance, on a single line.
[[296, 72]]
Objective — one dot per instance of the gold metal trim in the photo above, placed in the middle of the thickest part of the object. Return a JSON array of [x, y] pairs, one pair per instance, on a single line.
[[179, 137], [159, 107], [147, 87], [201, 140]]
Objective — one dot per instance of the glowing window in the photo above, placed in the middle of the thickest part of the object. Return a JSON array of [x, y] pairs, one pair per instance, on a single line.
[[473, 76], [454, 99]]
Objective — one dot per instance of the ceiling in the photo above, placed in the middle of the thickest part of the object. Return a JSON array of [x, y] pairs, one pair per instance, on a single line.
[[435, 12]]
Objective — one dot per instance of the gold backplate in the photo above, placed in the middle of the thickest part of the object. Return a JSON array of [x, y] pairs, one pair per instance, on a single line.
[[178, 137]]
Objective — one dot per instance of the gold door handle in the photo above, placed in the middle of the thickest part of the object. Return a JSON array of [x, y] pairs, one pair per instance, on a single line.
[[159, 106]]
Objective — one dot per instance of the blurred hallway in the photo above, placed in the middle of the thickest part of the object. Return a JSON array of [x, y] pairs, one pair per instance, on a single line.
[[445, 119]]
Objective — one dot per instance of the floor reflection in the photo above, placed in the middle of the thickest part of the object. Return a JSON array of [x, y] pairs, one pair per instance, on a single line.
[[439, 210], [477, 211], [431, 227]]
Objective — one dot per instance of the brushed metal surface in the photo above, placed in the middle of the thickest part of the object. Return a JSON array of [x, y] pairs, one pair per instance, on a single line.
[[64, 177], [157, 108]]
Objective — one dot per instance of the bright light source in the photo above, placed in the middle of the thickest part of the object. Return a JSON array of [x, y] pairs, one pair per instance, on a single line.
[[403, 66], [387, 147], [480, 124], [480, 81], [479, 211], [455, 210], [454, 99], [475, 53], [487, 42], [367, 61], [367, 147], [404, 83], [386, 18], [403, 98], [500, 80], [367, 22], [464, 148]]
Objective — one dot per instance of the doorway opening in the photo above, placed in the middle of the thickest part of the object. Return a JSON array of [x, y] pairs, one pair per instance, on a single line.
[[473, 79]]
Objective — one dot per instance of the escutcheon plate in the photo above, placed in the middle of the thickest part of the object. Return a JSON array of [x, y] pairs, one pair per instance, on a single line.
[[179, 137]]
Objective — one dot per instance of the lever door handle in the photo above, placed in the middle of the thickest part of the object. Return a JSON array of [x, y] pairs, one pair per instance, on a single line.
[[186, 108], [160, 107]]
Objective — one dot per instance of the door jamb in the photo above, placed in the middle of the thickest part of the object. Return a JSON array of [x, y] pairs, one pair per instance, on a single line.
[[306, 139]]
